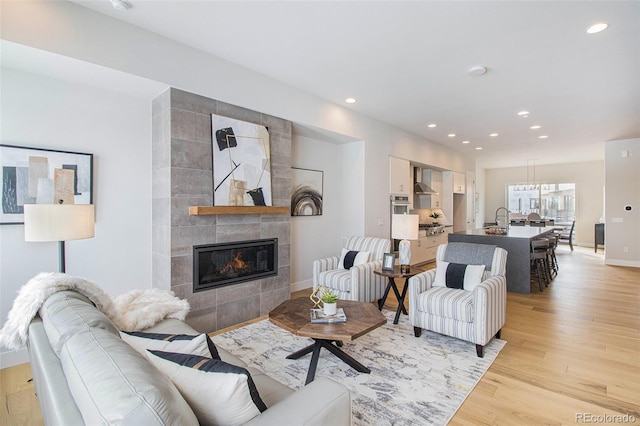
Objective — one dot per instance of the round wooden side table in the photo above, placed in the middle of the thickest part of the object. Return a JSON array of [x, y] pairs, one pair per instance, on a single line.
[[391, 284]]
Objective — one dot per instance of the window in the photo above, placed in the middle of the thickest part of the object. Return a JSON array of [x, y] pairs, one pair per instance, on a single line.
[[555, 201]]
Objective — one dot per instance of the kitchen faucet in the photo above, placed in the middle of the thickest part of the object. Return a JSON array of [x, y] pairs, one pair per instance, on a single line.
[[506, 217]]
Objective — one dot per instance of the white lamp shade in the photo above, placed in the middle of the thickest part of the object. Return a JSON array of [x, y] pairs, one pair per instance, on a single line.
[[58, 222], [405, 226]]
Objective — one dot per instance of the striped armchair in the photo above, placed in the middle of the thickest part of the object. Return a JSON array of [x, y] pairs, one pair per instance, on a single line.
[[475, 316], [359, 282]]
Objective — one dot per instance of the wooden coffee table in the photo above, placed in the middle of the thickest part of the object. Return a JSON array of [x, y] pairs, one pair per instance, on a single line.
[[293, 316]]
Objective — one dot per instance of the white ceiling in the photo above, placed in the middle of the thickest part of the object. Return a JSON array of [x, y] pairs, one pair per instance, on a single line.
[[406, 63], [27, 59]]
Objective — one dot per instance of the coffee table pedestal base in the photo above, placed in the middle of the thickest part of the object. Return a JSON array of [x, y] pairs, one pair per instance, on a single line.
[[331, 347]]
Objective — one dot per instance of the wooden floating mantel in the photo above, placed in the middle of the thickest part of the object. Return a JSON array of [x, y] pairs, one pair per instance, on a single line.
[[211, 210]]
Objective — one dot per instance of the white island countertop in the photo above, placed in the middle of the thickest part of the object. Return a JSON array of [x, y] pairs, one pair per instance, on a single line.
[[527, 232]]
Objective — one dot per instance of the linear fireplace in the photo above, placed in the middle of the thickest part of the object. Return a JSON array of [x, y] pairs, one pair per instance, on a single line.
[[219, 265]]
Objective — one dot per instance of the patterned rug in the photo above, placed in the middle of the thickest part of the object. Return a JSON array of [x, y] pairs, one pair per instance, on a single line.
[[413, 380]]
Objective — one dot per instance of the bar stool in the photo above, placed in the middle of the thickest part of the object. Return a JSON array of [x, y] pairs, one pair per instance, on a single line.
[[539, 249], [553, 260]]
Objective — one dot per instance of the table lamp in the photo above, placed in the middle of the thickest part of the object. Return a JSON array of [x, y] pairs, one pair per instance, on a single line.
[[58, 222], [404, 227]]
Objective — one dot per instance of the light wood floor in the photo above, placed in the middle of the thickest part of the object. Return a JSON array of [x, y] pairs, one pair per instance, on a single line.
[[572, 351]]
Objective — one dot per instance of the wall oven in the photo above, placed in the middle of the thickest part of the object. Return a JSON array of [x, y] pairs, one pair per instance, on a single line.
[[399, 204]]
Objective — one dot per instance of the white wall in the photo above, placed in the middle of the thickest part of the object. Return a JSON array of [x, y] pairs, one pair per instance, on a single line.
[[622, 227], [589, 180], [116, 129], [59, 26], [47, 113], [316, 237], [354, 191], [313, 237]]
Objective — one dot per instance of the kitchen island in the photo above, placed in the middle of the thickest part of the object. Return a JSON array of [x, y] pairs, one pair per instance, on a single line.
[[516, 242]]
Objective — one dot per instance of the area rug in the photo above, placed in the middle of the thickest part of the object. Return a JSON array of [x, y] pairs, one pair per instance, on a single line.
[[413, 380]]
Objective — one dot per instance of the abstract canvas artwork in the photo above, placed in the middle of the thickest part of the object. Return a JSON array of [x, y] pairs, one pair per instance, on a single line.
[[42, 176], [306, 192], [241, 163]]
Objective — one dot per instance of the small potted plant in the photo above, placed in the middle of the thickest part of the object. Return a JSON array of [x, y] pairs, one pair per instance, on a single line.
[[435, 216], [330, 302]]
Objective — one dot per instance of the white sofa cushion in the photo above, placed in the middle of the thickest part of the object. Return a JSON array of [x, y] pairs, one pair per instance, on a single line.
[[447, 303], [219, 393], [65, 312], [111, 383], [336, 279]]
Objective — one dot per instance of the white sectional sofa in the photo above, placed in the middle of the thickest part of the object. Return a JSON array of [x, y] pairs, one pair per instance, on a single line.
[[85, 373]]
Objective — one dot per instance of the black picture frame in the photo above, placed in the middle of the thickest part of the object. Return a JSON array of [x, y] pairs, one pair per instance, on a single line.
[[388, 262], [306, 192], [241, 161], [28, 176]]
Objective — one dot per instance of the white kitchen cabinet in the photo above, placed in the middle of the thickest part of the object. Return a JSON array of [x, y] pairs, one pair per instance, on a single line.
[[424, 249], [459, 185], [432, 243], [419, 251], [399, 176]]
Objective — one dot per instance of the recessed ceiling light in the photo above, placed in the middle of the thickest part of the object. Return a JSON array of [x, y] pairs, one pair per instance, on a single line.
[[596, 28], [493, 135], [523, 113], [543, 137], [477, 70], [478, 148], [465, 141], [536, 127], [452, 135], [121, 5], [350, 100], [432, 125]]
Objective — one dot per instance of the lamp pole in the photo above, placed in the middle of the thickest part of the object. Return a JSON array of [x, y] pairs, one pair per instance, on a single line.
[[61, 256]]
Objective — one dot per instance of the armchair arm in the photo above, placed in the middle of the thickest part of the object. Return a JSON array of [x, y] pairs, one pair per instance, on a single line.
[[422, 281], [490, 302], [365, 285], [419, 284], [321, 402], [322, 265]]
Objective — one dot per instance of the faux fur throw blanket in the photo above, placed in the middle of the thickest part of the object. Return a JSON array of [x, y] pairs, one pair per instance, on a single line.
[[136, 310]]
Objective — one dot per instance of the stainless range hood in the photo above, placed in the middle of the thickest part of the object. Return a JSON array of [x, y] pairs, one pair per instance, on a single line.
[[419, 187]]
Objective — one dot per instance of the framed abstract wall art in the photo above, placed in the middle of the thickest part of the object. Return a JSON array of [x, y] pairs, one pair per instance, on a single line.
[[42, 176], [306, 192], [241, 163]]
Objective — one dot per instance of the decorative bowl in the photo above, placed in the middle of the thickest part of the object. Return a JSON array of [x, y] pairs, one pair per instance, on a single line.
[[496, 231]]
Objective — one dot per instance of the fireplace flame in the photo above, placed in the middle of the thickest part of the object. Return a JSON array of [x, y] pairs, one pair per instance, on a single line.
[[235, 265]]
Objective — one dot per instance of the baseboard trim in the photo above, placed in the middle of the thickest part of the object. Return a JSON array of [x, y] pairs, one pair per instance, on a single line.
[[301, 285], [620, 262], [13, 358]]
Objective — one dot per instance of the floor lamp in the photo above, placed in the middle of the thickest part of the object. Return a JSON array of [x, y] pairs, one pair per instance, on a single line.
[[58, 222], [404, 227]]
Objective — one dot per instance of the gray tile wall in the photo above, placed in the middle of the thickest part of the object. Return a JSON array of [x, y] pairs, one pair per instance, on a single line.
[[182, 177]]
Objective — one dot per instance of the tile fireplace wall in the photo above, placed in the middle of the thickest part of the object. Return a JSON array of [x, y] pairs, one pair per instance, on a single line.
[[182, 177]]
